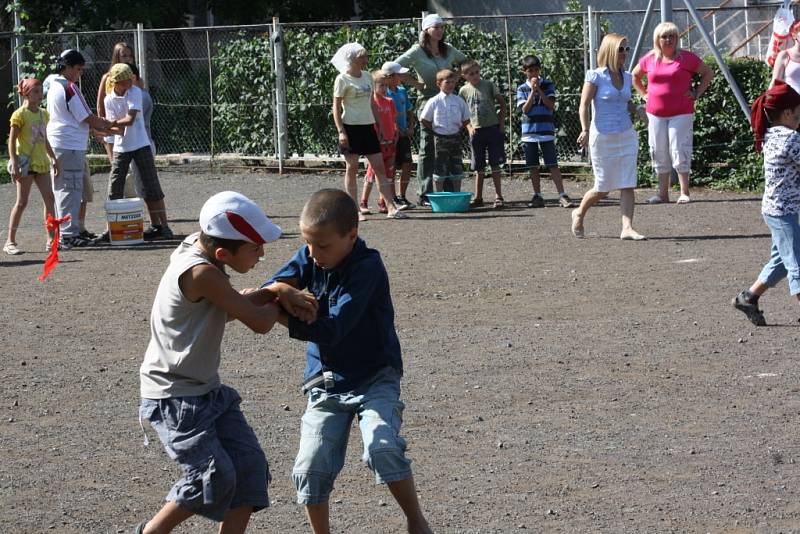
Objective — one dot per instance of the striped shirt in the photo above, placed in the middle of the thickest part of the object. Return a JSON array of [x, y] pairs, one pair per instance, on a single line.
[[537, 123]]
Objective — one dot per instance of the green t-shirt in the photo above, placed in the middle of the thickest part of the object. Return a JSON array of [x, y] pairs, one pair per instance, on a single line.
[[481, 100]]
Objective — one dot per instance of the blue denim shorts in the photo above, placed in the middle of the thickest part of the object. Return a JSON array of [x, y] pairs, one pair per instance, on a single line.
[[325, 427], [222, 461], [532, 153], [784, 261]]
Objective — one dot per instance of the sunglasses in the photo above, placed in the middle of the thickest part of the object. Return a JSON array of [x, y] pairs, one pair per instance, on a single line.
[[624, 48]]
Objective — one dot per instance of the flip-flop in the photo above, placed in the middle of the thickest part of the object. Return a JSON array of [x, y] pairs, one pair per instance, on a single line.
[[683, 199], [655, 199]]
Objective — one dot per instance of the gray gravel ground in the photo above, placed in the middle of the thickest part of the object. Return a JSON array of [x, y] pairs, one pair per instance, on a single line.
[[552, 384]]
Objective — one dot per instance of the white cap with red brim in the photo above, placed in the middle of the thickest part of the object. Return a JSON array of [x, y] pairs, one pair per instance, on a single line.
[[231, 215]]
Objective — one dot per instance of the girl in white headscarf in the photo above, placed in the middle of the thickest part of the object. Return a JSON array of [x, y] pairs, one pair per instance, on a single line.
[[354, 114]]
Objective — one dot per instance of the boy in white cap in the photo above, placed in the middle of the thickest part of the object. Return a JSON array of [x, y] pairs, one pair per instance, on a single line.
[[393, 75], [197, 418]]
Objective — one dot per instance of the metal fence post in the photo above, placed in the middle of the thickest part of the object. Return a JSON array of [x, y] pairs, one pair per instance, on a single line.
[[16, 56], [141, 53], [280, 92], [210, 94], [510, 105], [592, 38]]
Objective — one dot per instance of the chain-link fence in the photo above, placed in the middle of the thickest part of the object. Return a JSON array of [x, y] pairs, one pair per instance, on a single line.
[[216, 90]]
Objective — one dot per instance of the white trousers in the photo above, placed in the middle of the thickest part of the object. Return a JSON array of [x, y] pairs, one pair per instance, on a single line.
[[670, 140]]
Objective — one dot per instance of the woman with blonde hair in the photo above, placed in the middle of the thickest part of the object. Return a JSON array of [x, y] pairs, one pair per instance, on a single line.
[[670, 96], [613, 142]]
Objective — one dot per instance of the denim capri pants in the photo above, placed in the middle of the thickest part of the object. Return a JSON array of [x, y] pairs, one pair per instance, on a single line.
[[325, 427], [223, 464], [783, 261]]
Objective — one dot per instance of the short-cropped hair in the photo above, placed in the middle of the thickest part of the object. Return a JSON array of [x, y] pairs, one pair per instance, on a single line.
[[379, 75], [468, 65], [330, 207], [210, 242], [531, 61], [444, 74]]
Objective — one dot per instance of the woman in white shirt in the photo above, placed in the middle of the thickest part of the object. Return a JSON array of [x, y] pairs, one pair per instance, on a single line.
[[355, 113], [611, 139]]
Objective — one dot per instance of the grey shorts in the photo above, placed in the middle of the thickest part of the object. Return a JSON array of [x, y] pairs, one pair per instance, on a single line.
[[222, 461]]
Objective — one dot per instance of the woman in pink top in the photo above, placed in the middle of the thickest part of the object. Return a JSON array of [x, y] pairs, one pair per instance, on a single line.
[[670, 106], [787, 64]]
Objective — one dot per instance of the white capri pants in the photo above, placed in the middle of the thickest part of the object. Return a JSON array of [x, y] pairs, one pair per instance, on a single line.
[[670, 140]]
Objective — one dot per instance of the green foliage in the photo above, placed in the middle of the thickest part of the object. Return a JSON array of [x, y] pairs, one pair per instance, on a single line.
[[5, 178], [722, 134], [243, 91]]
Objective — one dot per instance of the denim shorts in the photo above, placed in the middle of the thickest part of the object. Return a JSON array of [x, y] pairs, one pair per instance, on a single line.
[[325, 427], [222, 461], [785, 255], [489, 139], [531, 150]]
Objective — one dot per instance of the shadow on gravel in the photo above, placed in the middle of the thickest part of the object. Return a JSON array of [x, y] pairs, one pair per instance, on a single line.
[[707, 237], [26, 263]]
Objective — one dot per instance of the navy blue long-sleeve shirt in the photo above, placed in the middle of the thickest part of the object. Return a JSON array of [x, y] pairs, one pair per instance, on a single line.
[[354, 334]]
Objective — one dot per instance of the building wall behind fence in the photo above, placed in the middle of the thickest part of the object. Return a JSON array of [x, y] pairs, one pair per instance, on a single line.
[[214, 88]]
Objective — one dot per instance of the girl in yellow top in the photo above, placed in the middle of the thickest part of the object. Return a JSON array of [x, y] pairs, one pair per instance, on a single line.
[[30, 158]]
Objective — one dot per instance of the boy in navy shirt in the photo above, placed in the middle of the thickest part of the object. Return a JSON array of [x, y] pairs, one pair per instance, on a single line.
[[536, 99], [353, 362]]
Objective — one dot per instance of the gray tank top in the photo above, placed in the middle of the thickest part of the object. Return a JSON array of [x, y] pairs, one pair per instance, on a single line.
[[183, 356]]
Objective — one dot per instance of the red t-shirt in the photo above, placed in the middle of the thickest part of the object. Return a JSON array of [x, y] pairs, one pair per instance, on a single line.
[[387, 114], [668, 82]]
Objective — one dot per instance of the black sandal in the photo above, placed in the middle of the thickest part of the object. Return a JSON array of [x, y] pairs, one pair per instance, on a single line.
[[499, 203]]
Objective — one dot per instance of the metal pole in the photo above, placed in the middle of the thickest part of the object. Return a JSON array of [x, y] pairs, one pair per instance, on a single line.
[[722, 65], [210, 94], [280, 88], [714, 27], [666, 10], [142, 55], [510, 90], [16, 57], [274, 98], [747, 27], [592, 38], [647, 14]]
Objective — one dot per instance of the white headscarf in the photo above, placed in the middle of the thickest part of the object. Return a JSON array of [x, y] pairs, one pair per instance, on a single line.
[[345, 56], [431, 20]]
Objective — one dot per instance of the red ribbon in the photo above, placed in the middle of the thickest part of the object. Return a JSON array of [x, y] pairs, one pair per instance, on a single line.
[[53, 225]]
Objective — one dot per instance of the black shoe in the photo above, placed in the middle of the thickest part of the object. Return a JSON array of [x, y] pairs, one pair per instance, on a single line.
[[156, 231], [103, 239], [536, 202], [86, 234], [153, 232], [424, 202], [750, 309], [75, 241], [409, 205]]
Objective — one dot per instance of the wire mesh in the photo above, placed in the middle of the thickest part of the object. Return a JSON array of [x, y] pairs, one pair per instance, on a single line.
[[214, 89]]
